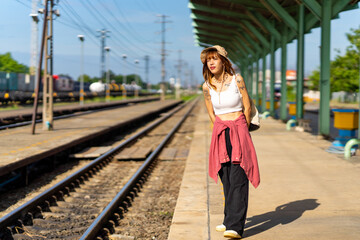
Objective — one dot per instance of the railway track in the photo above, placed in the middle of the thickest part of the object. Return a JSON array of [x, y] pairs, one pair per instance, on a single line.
[[23, 117], [72, 209]]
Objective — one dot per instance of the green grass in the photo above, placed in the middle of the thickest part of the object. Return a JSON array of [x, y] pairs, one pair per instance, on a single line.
[[189, 97], [10, 107]]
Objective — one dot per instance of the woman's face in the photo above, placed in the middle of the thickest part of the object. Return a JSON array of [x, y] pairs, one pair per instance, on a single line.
[[214, 63]]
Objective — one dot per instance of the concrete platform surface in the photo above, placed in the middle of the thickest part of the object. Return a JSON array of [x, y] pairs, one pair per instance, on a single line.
[[305, 192], [18, 147]]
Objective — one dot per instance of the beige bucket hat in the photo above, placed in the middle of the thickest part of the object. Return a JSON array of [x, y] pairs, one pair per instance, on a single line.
[[218, 48]]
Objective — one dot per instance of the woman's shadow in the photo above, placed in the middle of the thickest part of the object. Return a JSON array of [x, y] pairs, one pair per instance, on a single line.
[[283, 214]]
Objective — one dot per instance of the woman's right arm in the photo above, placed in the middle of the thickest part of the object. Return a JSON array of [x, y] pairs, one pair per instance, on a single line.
[[208, 102]]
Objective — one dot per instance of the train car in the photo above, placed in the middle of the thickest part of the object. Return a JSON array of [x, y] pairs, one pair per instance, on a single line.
[[77, 86], [63, 83], [16, 86], [20, 87]]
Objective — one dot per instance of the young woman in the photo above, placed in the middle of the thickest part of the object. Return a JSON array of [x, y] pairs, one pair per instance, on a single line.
[[232, 155]]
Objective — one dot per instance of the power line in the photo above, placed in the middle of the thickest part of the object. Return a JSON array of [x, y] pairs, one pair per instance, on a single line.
[[138, 36], [23, 4], [107, 23], [124, 36]]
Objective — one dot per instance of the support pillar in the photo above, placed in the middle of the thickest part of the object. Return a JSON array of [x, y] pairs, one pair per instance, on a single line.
[[324, 112], [283, 110], [251, 80], [300, 64], [257, 84], [272, 76], [263, 93]]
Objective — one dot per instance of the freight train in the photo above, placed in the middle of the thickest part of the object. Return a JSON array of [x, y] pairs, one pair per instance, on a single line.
[[20, 87]]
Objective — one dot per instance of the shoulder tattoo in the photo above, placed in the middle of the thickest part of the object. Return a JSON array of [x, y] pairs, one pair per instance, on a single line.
[[241, 83], [207, 94]]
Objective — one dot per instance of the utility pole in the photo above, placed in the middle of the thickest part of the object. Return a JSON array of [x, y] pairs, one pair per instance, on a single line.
[[48, 81], [186, 84], [191, 83], [34, 38], [163, 54], [147, 71], [47, 46], [48, 88], [103, 37], [43, 39], [178, 79]]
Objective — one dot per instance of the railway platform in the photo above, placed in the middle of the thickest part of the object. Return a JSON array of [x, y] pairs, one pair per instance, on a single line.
[[26, 113], [19, 148], [305, 192]]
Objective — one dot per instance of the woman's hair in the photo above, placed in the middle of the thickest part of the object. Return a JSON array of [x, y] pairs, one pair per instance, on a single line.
[[206, 71]]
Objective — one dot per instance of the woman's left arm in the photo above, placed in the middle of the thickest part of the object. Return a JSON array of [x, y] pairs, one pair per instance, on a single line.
[[245, 96]]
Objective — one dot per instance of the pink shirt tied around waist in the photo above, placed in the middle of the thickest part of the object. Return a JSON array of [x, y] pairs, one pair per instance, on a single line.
[[243, 151]]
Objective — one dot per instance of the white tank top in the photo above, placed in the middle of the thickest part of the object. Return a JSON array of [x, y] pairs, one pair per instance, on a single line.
[[226, 101]]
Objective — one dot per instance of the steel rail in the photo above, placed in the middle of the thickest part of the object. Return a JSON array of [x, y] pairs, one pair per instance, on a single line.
[[102, 219], [32, 206], [87, 109]]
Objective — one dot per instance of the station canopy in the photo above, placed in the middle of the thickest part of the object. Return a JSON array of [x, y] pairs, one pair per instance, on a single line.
[[245, 27]]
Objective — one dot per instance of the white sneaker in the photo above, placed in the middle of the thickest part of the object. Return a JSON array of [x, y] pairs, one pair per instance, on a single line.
[[220, 228], [231, 234]]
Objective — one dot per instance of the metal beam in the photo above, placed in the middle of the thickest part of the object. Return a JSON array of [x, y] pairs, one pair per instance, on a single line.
[[253, 4], [247, 41], [257, 21], [215, 40], [217, 11], [268, 25], [242, 42], [234, 41], [338, 6], [314, 7], [253, 30], [214, 36], [274, 7], [261, 38], [210, 19], [257, 47], [208, 26]]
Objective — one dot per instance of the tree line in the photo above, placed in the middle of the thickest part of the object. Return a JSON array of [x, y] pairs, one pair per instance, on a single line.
[[345, 69]]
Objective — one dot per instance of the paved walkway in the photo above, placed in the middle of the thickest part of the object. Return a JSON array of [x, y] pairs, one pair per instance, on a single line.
[[305, 192]]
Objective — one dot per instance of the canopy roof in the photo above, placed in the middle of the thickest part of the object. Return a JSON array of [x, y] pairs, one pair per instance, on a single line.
[[245, 27]]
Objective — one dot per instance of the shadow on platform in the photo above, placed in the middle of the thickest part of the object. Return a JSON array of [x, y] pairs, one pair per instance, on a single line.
[[283, 214]]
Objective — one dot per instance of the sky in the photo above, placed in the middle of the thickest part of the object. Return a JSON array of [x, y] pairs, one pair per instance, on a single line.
[[135, 31]]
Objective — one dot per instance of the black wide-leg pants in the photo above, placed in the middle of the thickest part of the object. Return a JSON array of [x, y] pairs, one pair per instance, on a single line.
[[236, 191]]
